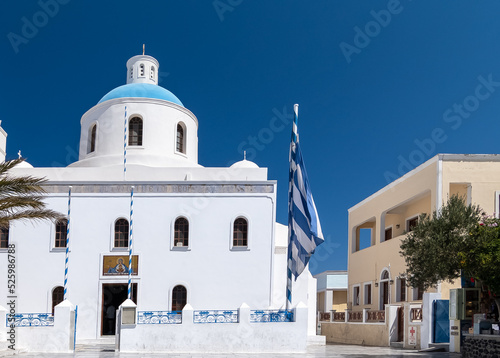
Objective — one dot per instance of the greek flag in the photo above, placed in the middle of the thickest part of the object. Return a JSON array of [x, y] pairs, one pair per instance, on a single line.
[[304, 229]]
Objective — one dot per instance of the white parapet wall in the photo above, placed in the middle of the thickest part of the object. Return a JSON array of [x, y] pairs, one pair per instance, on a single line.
[[243, 335], [43, 332]]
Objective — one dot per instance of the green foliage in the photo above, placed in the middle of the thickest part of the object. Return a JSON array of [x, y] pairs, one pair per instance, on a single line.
[[21, 197], [436, 247], [483, 259]]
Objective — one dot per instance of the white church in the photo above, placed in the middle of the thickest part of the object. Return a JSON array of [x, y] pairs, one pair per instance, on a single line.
[[205, 240]]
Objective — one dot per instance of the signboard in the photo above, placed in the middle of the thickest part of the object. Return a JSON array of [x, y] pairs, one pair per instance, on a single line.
[[454, 314], [412, 336], [118, 265]]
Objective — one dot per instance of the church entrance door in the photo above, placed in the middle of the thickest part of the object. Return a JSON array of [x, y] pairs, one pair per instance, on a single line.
[[113, 295]]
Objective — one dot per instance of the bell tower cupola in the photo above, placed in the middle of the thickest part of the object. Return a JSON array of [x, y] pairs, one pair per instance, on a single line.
[[139, 123], [142, 69]]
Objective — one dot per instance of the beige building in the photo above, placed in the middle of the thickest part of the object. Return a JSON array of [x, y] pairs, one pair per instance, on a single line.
[[377, 296], [331, 293]]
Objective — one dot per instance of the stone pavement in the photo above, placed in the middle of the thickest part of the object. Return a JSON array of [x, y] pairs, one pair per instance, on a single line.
[[330, 350]]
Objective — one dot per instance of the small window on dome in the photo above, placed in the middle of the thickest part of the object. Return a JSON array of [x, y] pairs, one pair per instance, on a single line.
[[152, 73], [135, 131], [141, 70], [92, 138], [180, 143], [131, 72]]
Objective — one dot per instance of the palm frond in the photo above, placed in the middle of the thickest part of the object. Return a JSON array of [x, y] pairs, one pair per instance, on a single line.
[[21, 197], [29, 215]]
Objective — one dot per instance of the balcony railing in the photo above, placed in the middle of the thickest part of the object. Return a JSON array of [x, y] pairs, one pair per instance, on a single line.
[[375, 316], [355, 316], [416, 314], [338, 316], [324, 316]]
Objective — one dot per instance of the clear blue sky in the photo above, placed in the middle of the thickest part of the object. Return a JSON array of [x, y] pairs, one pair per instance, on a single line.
[[374, 80]]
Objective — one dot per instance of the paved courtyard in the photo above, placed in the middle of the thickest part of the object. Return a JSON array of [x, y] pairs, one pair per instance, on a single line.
[[329, 350]]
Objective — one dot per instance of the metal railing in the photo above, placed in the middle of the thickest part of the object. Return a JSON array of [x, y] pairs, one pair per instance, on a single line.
[[31, 320], [271, 316], [215, 316], [159, 317]]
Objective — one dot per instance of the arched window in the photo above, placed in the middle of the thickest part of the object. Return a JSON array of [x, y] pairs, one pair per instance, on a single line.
[[152, 73], [121, 233], [179, 298], [61, 233], [240, 232], [57, 296], [385, 275], [181, 232], [141, 70], [180, 147], [135, 131], [4, 238], [92, 138]]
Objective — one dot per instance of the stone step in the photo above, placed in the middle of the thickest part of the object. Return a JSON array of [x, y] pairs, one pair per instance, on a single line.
[[397, 344], [96, 345], [316, 340], [439, 347]]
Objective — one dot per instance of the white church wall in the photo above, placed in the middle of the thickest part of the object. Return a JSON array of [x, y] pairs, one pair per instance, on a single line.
[[41, 335], [215, 276]]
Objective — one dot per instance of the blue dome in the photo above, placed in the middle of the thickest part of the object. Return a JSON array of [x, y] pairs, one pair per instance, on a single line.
[[142, 90]]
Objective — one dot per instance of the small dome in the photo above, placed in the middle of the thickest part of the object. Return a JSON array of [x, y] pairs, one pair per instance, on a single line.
[[24, 164], [244, 164], [141, 90]]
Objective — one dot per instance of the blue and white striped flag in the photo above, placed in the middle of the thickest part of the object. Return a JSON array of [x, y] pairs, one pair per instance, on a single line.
[[304, 229]]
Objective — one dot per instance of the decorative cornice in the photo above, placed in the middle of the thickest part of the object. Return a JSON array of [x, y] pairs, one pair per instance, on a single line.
[[161, 188]]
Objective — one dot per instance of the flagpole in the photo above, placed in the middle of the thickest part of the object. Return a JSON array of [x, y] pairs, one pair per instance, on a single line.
[[125, 146], [290, 203], [304, 228], [130, 243], [66, 261]]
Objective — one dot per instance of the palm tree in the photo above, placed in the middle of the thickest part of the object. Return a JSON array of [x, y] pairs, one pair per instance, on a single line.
[[21, 197]]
